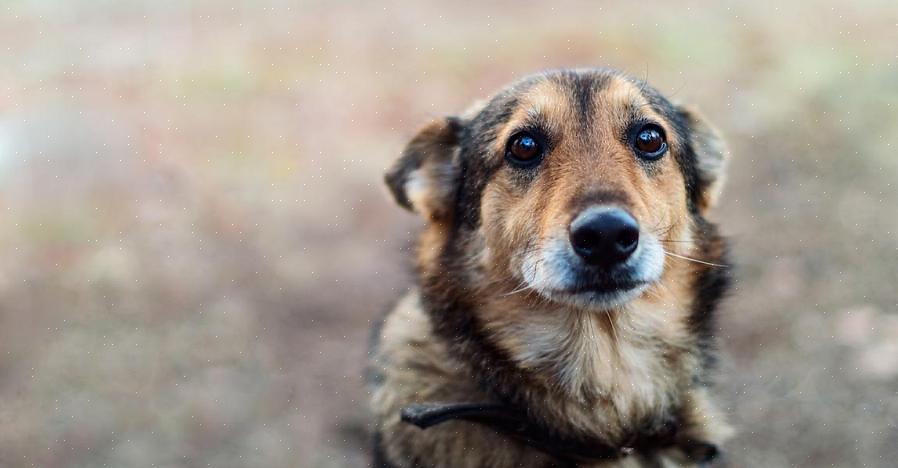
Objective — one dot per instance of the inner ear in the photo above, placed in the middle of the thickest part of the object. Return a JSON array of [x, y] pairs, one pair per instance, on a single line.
[[710, 156], [425, 177]]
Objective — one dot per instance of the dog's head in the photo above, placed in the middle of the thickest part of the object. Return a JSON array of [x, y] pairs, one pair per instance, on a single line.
[[573, 184]]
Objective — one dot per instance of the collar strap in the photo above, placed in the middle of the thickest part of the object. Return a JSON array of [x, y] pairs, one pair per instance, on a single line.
[[516, 425]]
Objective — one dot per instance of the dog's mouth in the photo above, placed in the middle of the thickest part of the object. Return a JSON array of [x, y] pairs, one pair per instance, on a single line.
[[603, 287], [600, 295], [558, 276]]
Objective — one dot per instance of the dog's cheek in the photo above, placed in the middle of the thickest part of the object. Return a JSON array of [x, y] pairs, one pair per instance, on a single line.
[[495, 205], [511, 225], [667, 207]]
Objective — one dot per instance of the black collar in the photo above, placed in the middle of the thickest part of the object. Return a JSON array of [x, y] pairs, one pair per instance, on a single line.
[[515, 424]]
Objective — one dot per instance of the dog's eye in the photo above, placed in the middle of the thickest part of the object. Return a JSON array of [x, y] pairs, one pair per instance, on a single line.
[[650, 142], [523, 149]]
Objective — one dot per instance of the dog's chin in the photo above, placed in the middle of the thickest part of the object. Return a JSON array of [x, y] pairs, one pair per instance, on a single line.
[[598, 297]]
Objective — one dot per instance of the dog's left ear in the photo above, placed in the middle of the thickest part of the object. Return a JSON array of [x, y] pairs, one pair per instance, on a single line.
[[711, 155], [425, 177]]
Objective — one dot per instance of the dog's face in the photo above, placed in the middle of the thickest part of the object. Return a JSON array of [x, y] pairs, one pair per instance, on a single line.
[[573, 184]]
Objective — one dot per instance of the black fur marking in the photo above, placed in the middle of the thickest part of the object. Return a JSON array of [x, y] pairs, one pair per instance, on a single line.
[[477, 162], [583, 89], [711, 285], [687, 159]]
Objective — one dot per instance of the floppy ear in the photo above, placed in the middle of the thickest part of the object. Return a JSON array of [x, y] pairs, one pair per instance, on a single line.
[[424, 178], [711, 155]]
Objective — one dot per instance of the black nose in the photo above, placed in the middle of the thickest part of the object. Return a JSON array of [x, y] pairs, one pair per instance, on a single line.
[[605, 237]]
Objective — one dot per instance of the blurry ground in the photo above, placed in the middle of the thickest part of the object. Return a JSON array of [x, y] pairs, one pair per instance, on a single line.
[[195, 238]]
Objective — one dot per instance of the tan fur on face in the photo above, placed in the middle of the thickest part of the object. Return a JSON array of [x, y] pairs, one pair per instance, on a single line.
[[520, 219]]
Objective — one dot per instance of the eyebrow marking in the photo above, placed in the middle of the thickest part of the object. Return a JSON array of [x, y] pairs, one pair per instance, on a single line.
[[535, 119]]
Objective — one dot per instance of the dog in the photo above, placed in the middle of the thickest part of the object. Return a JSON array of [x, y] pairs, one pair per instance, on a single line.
[[567, 283]]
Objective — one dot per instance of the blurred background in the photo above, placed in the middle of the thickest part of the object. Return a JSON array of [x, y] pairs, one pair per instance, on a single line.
[[195, 238]]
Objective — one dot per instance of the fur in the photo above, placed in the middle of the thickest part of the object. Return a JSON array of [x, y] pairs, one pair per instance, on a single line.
[[487, 323]]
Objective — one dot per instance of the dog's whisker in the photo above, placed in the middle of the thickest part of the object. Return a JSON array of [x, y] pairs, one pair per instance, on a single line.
[[661, 231], [665, 288], [523, 287], [665, 231], [695, 260]]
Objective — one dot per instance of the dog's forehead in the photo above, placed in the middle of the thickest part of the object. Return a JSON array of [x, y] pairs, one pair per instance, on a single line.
[[581, 116], [560, 100]]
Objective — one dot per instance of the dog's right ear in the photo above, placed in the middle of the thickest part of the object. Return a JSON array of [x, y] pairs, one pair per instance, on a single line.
[[425, 178]]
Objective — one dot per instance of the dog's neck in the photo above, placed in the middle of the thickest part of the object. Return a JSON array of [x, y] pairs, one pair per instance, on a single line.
[[611, 369], [604, 374]]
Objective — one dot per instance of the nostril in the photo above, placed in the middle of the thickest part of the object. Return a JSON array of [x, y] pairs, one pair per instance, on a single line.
[[628, 239], [584, 240], [604, 237]]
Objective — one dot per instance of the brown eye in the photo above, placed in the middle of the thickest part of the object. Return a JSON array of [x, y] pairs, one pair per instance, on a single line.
[[649, 142], [523, 149]]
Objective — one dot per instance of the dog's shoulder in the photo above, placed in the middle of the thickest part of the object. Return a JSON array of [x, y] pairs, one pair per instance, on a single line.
[[416, 366], [406, 353]]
